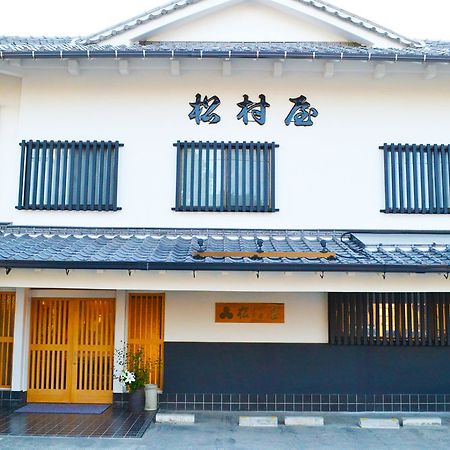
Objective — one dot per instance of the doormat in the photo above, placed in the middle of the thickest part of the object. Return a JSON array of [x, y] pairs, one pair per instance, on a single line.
[[62, 408]]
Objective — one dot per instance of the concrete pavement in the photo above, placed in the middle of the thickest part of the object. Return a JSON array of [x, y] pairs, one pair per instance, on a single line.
[[217, 431]]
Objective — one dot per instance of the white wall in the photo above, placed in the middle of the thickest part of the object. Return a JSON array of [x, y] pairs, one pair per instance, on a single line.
[[155, 281], [190, 317], [250, 21], [329, 175]]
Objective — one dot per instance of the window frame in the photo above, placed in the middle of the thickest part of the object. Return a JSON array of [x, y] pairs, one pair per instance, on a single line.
[[229, 179], [389, 318], [416, 179], [68, 175]]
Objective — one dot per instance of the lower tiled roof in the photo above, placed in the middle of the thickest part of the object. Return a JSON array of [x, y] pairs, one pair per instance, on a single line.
[[172, 249]]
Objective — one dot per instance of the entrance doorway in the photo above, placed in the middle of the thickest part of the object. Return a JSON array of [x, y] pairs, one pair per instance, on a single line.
[[71, 350], [146, 331]]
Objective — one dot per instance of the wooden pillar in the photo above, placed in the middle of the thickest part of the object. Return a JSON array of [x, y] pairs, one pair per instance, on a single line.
[[119, 331], [21, 340]]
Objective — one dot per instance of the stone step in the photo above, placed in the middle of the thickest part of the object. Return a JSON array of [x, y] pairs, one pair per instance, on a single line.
[[258, 421], [381, 423], [421, 421], [182, 419], [305, 421]]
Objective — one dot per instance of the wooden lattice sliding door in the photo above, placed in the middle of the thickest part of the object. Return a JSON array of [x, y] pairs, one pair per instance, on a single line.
[[71, 350], [146, 329], [7, 308]]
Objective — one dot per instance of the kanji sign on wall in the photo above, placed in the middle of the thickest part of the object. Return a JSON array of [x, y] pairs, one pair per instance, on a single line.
[[250, 312]]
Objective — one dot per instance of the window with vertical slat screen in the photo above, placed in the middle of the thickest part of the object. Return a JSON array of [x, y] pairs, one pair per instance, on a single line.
[[389, 318], [63, 175], [225, 176], [7, 308], [416, 179]]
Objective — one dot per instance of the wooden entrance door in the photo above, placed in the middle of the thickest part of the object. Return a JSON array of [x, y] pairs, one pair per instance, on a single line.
[[146, 330], [71, 350]]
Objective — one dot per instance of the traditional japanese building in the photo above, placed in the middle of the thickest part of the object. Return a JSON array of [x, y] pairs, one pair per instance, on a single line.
[[263, 205]]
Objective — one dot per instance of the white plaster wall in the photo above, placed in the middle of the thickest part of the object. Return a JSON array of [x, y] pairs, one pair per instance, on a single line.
[[189, 317], [154, 281], [10, 91], [329, 175], [249, 21]]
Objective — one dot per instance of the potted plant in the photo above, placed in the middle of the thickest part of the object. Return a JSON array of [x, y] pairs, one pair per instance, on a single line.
[[133, 373]]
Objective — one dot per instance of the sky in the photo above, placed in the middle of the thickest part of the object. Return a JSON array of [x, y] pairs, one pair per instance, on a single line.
[[423, 19]]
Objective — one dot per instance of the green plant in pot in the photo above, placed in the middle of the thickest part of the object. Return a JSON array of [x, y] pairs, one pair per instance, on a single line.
[[133, 373]]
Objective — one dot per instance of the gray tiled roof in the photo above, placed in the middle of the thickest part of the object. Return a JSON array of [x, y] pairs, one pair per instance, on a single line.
[[161, 11], [60, 47], [171, 249]]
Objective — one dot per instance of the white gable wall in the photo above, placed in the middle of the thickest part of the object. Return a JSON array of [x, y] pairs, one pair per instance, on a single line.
[[329, 175], [330, 25], [248, 22]]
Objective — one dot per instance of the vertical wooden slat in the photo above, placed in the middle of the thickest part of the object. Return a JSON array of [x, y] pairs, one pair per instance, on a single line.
[[422, 179], [387, 179], [370, 300], [36, 162], [28, 171], [415, 177], [377, 320], [272, 177], [402, 317], [199, 174], [94, 201], [214, 193], [42, 176], [389, 299], [101, 177], [228, 176], [445, 178], [394, 177], [54, 198], [236, 176], [115, 176], [266, 176], [22, 175], [185, 172], [65, 174], [49, 180], [415, 311], [437, 155], [192, 179], [401, 183], [258, 176], [251, 163], [421, 311], [86, 150], [409, 178], [178, 178], [245, 150], [440, 306], [71, 176], [223, 185]]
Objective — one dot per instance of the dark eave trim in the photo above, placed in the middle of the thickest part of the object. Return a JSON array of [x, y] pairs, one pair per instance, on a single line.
[[221, 54], [227, 267]]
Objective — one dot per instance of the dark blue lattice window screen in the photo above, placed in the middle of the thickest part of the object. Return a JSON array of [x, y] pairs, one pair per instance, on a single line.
[[69, 175], [416, 179], [225, 176]]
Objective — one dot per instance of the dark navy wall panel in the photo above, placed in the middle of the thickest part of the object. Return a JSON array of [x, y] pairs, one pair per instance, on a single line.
[[304, 368]]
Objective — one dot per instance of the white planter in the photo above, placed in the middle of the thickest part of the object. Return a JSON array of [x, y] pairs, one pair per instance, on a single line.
[[151, 397]]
